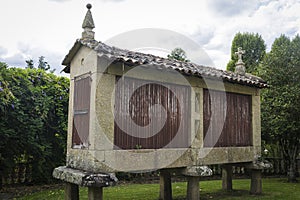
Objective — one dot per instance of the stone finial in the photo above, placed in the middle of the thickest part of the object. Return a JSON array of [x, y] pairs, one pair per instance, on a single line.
[[88, 24], [240, 65]]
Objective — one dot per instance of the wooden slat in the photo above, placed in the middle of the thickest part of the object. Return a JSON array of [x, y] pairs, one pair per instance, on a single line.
[[81, 110], [176, 128], [231, 123]]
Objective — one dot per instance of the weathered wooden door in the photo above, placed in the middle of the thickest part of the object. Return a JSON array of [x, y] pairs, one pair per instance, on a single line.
[[81, 112], [151, 115], [227, 119]]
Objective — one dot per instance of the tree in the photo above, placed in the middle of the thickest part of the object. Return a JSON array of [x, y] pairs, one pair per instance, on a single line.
[[255, 50], [43, 64], [281, 102], [33, 120], [29, 64], [6, 98], [178, 54]]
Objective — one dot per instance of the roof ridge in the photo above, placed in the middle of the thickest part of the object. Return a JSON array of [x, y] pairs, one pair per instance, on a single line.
[[187, 68]]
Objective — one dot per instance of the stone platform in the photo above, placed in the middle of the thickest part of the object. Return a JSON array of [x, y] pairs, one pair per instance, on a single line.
[[75, 178]]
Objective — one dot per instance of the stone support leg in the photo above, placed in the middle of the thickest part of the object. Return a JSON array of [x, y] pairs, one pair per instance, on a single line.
[[193, 188], [71, 191], [95, 193], [256, 182], [227, 177], [165, 185]]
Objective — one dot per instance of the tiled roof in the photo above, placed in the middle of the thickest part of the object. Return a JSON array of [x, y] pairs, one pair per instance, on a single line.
[[187, 68]]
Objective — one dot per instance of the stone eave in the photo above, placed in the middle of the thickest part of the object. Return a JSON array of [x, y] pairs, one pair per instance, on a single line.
[[68, 58]]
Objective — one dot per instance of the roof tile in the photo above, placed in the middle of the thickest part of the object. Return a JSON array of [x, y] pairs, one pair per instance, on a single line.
[[137, 58]]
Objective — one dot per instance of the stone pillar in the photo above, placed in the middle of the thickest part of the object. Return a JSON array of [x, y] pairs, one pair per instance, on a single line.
[[193, 188], [227, 177], [193, 174], [95, 193], [71, 191], [165, 185], [256, 182]]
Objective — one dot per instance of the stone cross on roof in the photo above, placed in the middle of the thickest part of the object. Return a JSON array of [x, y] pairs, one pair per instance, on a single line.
[[240, 52], [88, 24], [240, 65]]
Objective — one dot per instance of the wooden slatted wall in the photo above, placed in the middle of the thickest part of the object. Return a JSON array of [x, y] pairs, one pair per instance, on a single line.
[[174, 99], [233, 116], [81, 110]]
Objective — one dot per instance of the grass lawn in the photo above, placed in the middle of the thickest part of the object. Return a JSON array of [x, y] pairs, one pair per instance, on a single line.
[[272, 189]]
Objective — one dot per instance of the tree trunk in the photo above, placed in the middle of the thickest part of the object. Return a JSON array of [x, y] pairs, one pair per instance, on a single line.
[[1, 184], [1, 174], [292, 165], [291, 174], [290, 152]]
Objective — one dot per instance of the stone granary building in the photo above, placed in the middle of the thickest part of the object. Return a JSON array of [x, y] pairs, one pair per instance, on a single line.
[[136, 112]]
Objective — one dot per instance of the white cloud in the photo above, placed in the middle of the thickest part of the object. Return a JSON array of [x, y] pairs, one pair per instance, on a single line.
[[35, 28], [203, 34], [3, 51], [53, 58], [231, 8], [59, 1], [112, 0], [16, 60], [26, 52], [269, 19]]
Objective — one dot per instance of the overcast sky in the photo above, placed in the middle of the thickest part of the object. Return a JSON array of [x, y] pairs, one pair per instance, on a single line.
[[33, 28]]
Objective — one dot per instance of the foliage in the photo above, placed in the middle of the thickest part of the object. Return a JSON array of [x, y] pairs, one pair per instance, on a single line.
[[178, 54], [43, 64], [255, 50], [281, 102], [272, 189], [33, 119], [29, 63], [6, 95]]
